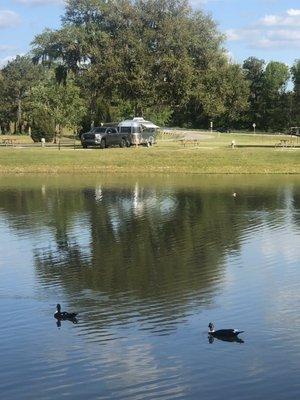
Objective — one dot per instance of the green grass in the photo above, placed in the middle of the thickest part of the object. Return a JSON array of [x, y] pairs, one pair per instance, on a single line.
[[210, 156]]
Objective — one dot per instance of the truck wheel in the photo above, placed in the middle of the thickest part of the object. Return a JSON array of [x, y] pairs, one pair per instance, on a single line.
[[123, 143], [102, 144]]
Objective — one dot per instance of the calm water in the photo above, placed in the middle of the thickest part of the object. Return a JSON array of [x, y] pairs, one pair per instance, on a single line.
[[148, 263]]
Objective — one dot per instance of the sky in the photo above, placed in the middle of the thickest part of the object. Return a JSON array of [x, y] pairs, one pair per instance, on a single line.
[[266, 29]]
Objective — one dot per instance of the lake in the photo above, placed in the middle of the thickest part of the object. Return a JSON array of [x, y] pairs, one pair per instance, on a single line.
[[147, 263]]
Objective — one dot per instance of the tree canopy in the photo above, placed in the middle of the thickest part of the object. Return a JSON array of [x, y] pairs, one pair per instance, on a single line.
[[154, 58], [144, 53]]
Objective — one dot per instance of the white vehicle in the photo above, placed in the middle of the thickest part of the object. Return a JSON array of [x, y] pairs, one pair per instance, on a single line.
[[140, 130]]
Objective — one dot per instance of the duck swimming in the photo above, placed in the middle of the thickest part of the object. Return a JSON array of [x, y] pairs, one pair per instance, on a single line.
[[223, 334], [64, 316]]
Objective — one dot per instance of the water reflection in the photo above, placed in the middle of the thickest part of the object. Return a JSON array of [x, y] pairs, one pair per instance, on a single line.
[[142, 254], [230, 339], [146, 266], [149, 256], [74, 320]]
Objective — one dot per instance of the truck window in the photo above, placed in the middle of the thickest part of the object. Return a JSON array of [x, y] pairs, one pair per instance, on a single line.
[[99, 130]]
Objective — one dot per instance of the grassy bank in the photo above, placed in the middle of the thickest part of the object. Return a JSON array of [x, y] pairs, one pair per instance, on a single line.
[[211, 155]]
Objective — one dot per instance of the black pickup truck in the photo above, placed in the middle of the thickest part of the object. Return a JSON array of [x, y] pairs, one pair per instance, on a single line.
[[103, 136]]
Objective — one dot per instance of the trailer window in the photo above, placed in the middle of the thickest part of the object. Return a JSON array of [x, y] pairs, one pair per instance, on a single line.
[[136, 129], [125, 129]]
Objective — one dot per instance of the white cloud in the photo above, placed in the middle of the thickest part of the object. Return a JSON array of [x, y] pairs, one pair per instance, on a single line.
[[284, 34], [270, 20], [5, 47], [292, 12], [5, 60], [230, 56], [287, 19], [199, 3], [272, 31], [234, 34], [8, 19]]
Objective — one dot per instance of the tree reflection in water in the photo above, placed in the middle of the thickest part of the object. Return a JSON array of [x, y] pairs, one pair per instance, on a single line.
[[136, 253]]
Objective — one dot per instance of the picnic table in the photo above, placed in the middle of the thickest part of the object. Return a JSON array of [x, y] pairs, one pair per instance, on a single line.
[[285, 143], [194, 142], [9, 141]]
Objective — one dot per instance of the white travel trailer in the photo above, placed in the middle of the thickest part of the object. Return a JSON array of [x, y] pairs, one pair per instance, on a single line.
[[140, 131]]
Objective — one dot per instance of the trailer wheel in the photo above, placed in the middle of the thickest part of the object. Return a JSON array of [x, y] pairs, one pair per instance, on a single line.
[[150, 141]]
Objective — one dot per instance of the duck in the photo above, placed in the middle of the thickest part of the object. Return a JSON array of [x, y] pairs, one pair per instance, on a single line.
[[223, 333], [63, 316]]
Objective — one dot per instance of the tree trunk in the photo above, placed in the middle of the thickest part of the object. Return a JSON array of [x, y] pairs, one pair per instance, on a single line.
[[57, 131], [138, 110], [19, 116]]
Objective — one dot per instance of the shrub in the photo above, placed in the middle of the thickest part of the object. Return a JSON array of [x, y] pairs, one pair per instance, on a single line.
[[43, 127]]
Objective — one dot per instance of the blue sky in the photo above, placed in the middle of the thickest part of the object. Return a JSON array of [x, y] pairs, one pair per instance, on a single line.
[[268, 29]]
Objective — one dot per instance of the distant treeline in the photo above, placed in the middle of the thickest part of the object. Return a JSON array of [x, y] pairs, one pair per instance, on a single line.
[[158, 59]]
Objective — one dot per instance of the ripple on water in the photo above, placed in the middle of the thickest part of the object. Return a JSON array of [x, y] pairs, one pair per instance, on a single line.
[[147, 269]]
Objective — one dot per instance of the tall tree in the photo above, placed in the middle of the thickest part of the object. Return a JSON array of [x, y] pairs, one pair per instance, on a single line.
[[60, 103], [275, 108], [152, 54], [254, 73], [17, 79], [295, 71], [5, 112]]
